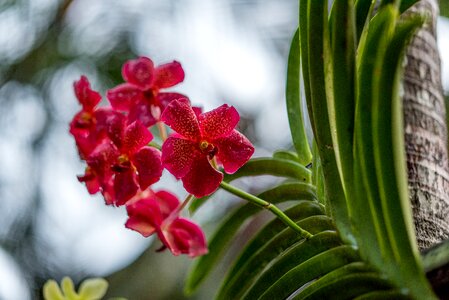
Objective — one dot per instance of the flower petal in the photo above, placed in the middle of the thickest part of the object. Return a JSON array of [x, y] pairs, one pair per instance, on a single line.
[[148, 164], [168, 75], [93, 288], [218, 122], [123, 96], [144, 216], [139, 71], [185, 237], [168, 203], [125, 186], [143, 110], [164, 99], [233, 151], [180, 116], [178, 155], [87, 97], [136, 136], [91, 181], [202, 179], [103, 158]]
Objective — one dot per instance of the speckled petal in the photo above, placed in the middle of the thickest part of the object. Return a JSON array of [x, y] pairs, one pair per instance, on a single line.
[[143, 111], [163, 99], [87, 97], [218, 122], [136, 136], [178, 155], [139, 72], [203, 179], [125, 186], [148, 164], [234, 151], [168, 75], [123, 96], [180, 116]]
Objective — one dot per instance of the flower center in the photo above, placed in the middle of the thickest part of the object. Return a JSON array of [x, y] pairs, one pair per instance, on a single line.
[[122, 164], [208, 148]]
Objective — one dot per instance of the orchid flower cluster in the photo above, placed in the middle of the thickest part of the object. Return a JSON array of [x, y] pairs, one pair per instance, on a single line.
[[123, 160]]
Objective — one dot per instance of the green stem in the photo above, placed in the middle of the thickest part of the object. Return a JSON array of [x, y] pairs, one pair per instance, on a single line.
[[266, 205], [185, 202]]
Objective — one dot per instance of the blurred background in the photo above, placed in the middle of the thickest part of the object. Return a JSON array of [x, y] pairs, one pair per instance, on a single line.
[[232, 51]]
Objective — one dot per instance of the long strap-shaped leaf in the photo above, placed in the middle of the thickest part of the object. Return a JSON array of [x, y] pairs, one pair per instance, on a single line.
[[306, 270], [318, 24], [350, 281], [339, 59], [388, 135], [227, 230], [295, 251], [366, 204], [246, 275], [294, 108], [384, 295], [302, 210]]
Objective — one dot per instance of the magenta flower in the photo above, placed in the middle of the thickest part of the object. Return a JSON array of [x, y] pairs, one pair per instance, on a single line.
[[140, 96], [200, 139], [156, 212], [88, 126], [124, 164]]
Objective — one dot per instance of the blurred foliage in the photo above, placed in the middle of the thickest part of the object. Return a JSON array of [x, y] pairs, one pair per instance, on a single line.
[[444, 8], [35, 68]]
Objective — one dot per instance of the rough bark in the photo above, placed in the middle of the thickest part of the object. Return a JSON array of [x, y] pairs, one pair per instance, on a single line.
[[426, 133]]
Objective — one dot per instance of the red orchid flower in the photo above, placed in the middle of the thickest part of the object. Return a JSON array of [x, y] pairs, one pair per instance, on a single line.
[[124, 164], [88, 126], [140, 96], [200, 139], [156, 212]]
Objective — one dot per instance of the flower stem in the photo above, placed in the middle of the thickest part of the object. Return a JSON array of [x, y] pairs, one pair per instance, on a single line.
[[266, 205], [185, 202], [162, 130]]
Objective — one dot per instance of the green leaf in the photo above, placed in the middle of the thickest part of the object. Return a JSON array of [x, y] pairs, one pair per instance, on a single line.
[[391, 167], [262, 166], [288, 155], [365, 203], [363, 9], [339, 60], [310, 265], [293, 97], [304, 49], [317, 19], [384, 295], [228, 228], [350, 281], [271, 166], [436, 257], [278, 244], [302, 210]]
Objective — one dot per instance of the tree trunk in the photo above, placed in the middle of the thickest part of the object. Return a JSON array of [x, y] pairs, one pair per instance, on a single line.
[[426, 133]]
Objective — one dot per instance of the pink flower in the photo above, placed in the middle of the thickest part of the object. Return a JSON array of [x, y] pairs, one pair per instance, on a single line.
[[140, 96], [156, 212], [200, 139], [88, 126], [124, 163]]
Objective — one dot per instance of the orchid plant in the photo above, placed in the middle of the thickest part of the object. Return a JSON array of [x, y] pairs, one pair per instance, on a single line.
[[347, 231]]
